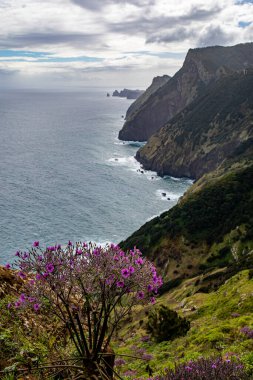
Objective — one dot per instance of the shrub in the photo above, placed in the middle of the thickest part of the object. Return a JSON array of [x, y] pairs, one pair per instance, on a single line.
[[89, 289], [165, 324], [207, 369]]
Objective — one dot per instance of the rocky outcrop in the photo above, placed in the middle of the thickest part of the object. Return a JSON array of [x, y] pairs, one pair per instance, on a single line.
[[213, 128], [129, 94], [157, 82], [200, 68]]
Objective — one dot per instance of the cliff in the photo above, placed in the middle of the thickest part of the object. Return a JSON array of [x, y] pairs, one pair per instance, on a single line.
[[157, 82], [201, 67], [214, 127]]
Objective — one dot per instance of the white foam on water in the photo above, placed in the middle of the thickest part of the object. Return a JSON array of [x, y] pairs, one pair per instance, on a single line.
[[165, 194]]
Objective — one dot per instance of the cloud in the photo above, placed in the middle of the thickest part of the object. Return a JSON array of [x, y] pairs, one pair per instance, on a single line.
[[150, 25], [215, 35], [175, 35], [48, 38], [95, 5]]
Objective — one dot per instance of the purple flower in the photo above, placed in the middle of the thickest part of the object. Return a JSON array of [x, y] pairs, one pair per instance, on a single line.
[[17, 304], [31, 299], [50, 268], [125, 273], [17, 254], [22, 297], [79, 251], [22, 275], [147, 357], [188, 368], [96, 252], [7, 266], [139, 261], [36, 243], [70, 243], [152, 300], [120, 284], [51, 249], [119, 362], [36, 306], [150, 288], [140, 295], [9, 305], [58, 247], [38, 276], [131, 270]]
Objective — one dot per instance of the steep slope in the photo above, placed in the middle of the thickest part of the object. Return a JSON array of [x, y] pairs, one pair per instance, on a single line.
[[210, 227], [140, 101], [212, 128], [201, 66]]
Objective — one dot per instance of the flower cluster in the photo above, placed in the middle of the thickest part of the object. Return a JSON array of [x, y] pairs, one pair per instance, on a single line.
[[92, 287], [212, 368], [247, 331]]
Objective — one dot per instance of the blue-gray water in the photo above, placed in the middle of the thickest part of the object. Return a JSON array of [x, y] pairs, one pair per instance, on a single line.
[[64, 175]]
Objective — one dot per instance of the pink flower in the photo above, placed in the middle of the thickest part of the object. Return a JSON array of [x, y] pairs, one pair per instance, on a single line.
[[125, 273], [131, 270], [36, 307], [152, 300], [36, 243], [22, 275], [139, 261], [17, 304], [50, 268], [79, 251], [140, 295], [22, 297], [120, 284]]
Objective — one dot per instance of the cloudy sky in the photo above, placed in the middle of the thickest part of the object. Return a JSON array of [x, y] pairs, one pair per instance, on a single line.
[[76, 43]]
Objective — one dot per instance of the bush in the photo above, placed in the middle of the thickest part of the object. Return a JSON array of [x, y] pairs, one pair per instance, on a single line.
[[212, 368], [165, 324]]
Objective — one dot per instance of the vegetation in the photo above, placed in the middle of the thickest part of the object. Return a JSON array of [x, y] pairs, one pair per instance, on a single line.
[[88, 290], [165, 324], [211, 226]]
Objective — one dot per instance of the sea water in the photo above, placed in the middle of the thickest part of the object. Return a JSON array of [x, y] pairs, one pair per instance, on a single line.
[[65, 175]]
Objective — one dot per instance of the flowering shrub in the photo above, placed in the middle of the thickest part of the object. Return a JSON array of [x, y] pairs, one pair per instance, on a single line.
[[89, 288], [207, 369]]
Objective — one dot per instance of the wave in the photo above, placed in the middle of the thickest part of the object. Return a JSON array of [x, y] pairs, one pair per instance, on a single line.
[[166, 195], [132, 164], [135, 144]]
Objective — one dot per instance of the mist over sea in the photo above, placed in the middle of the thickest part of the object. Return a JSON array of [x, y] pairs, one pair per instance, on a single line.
[[65, 175]]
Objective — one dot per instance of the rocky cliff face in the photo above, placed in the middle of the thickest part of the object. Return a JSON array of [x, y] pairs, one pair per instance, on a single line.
[[157, 82], [213, 128], [201, 66]]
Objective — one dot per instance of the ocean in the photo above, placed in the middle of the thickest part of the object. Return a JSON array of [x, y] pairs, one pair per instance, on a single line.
[[65, 175]]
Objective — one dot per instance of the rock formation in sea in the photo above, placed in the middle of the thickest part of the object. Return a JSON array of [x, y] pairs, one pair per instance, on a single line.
[[201, 67], [129, 94]]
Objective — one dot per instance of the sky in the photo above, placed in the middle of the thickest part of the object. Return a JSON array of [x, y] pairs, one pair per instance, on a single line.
[[114, 43]]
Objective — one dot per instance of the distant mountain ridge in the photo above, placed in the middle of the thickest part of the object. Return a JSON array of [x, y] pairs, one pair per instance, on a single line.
[[201, 67]]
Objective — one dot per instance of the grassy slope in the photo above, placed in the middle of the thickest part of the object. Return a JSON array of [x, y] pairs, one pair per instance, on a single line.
[[212, 226], [215, 329]]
